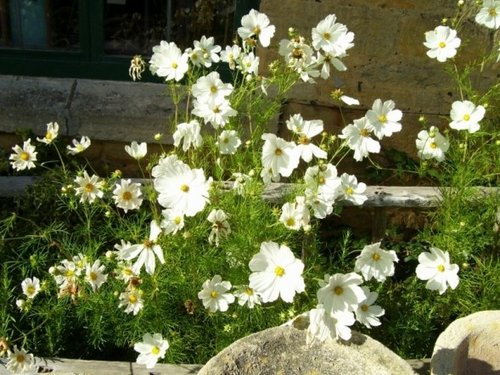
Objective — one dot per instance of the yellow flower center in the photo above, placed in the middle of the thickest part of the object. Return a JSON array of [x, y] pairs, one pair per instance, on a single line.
[[440, 268], [225, 140], [213, 89], [364, 308], [127, 195], [304, 140], [128, 271], [382, 118], [213, 294], [492, 12], [256, 30], [442, 44], [279, 271], [466, 117], [175, 65], [49, 136], [155, 350], [433, 145], [132, 299], [376, 257], [290, 222], [20, 358], [184, 188], [217, 109], [364, 133], [177, 220], [249, 291], [24, 156], [278, 152], [31, 290], [69, 273], [89, 188], [148, 244], [327, 36], [349, 191], [338, 290], [93, 276], [321, 180], [297, 53]]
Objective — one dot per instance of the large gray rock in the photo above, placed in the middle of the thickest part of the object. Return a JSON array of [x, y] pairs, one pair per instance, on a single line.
[[283, 350], [469, 346]]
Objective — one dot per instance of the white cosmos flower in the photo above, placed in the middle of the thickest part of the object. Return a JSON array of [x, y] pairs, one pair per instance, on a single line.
[[173, 221], [247, 296], [151, 349], [205, 52], [324, 326], [181, 188], [332, 37], [322, 180], [256, 24], [431, 144], [306, 130], [442, 43], [278, 155], [489, 14], [213, 110], [228, 142], [249, 65], [276, 273], [295, 215], [327, 59], [341, 292], [19, 360], [299, 57], [51, 134], [79, 146], [125, 271], [436, 268], [367, 313], [31, 287], [21, 304], [128, 195], [89, 188], [321, 206], [384, 118], [465, 115], [375, 262], [268, 176], [231, 55], [132, 300], [351, 190], [66, 273], [168, 61], [211, 86], [214, 294], [189, 134], [95, 276], [220, 226], [23, 158], [240, 182], [137, 151], [145, 252], [358, 138]]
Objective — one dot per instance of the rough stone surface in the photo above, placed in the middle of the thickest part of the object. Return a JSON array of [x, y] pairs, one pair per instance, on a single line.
[[469, 346], [283, 350]]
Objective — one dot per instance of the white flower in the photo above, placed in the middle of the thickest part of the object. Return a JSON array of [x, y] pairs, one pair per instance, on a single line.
[[231, 55], [351, 190], [228, 142], [466, 115], [256, 24], [213, 110], [89, 188], [431, 144], [205, 52], [220, 226], [325, 59], [66, 273], [151, 349], [295, 215], [436, 268], [21, 304], [19, 360], [442, 43], [341, 292], [128, 195], [358, 138], [214, 296], [305, 131], [30, 287], [211, 86], [132, 300], [240, 182], [321, 206], [279, 155], [95, 275], [137, 151], [268, 176], [375, 262], [145, 252], [247, 296], [189, 134], [168, 61], [51, 134], [489, 14], [367, 313], [348, 100], [249, 64], [384, 118], [181, 188], [332, 37], [23, 158], [173, 221], [323, 326], [322, 181], [299, 57], [79, 146], [125, 271], [276, 273]]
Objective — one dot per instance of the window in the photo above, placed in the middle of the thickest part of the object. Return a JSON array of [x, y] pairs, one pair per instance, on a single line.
[[97, 38]]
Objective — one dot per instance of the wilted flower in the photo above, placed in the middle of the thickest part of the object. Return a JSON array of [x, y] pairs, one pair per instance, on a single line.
[[189, 134], [220, 226], [137, 67]]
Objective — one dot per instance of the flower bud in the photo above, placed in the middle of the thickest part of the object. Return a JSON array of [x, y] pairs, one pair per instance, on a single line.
[[158, 136]]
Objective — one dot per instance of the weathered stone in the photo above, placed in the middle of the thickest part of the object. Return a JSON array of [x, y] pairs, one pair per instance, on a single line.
[[469, 346], [283, 350]]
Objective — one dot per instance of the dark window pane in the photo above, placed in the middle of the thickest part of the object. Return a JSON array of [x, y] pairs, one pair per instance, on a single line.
[[39, 24], [135, 26]]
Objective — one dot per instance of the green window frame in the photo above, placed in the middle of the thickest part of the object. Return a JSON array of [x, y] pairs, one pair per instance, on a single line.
[[90, 61]]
